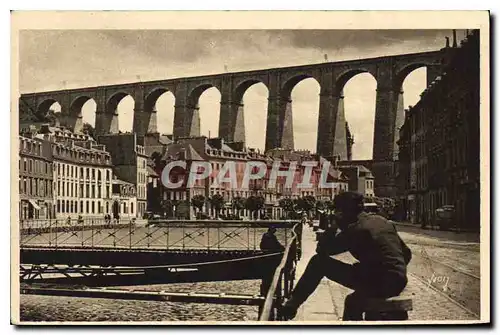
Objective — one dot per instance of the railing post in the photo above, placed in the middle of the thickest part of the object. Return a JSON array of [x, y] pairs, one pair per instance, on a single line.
[[130, 235], [82, 228], [218, 237], [55, 239], [254, 238], [168, 235], [208, 237], [278, 298], [92, 232]]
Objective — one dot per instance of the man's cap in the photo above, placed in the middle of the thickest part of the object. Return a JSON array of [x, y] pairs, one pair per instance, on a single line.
[[348, 201]]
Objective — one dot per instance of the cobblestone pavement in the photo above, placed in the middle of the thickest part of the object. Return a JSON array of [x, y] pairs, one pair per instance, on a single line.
[[51, 308], [434, 259]]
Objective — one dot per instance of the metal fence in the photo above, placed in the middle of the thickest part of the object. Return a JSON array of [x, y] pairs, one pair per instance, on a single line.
[[157, 234], [283, 279]]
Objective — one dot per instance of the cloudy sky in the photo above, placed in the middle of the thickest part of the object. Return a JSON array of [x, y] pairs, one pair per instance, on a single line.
[[56, 59]]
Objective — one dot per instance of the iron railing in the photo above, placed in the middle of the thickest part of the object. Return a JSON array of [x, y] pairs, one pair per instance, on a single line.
[[283, 280], [157, 234]]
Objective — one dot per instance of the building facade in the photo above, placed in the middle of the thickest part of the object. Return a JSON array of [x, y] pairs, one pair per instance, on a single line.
[[129, 164], [123, 202], [82, 174], [360, 179], [440, 144], [217, 153], [35, 178]]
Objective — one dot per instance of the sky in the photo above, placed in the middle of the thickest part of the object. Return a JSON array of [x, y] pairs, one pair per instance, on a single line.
[[58, 59]]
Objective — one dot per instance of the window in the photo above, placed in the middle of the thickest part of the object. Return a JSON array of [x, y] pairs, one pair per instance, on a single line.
[[81, 206], [99, 175], [107, 207], [87, 207], [99, 209], [31, 166], [58, 205], [98, 192], [93, 208], [131, 208], [93, 191], [87, 188], [25, 164], [63, 207]]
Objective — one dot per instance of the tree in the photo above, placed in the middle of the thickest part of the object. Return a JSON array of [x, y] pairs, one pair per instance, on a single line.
[[182, 209], [88, 129], [238, 204], [197, 202], [329, 205], [217, 202], [287, 205], [167, 207], [321, 205], [308, 202], [254, 203]]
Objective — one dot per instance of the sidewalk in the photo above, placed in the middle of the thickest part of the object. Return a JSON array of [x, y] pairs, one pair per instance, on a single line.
[[326, 303]]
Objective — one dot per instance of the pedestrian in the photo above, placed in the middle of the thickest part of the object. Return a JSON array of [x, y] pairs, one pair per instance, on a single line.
[[304, 219], [383, 258], [324, 220]]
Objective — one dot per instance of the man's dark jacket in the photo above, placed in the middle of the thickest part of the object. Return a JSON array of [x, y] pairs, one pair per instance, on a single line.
[[375, 243], [269, 242]]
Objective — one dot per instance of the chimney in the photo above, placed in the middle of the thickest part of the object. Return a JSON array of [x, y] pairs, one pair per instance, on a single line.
[[454, 38]]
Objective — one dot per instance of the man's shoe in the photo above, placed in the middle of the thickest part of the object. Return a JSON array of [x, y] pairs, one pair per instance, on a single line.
[[289, 310]]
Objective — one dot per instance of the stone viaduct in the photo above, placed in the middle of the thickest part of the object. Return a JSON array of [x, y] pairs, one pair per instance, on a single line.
[[389, 72]]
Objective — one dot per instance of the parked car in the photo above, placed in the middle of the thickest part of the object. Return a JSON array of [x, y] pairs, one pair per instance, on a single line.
[[444, 216]]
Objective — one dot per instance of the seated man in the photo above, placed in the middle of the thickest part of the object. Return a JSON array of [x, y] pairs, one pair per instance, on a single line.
[[269, 241], [382, 256]]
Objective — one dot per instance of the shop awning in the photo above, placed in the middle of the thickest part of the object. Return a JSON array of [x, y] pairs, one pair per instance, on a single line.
[[34, 204]]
